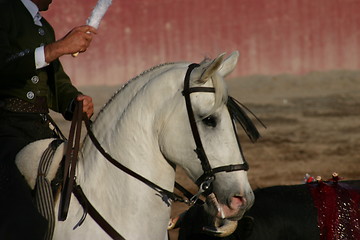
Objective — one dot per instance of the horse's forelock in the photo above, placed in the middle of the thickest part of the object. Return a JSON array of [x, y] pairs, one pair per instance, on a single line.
[[221, 93]]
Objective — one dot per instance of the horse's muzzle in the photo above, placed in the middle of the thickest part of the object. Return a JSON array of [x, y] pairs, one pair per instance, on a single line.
[[226, 215]]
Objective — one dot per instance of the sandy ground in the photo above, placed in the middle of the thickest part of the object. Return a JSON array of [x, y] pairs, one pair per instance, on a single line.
[[312, 121]]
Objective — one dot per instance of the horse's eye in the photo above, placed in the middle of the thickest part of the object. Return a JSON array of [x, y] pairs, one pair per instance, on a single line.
[[210, 121]]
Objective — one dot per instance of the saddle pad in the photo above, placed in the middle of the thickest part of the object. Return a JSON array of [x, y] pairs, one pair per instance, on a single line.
[[28, 159]]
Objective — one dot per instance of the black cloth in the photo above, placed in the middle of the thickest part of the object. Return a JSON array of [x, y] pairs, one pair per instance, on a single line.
[[19, 218]]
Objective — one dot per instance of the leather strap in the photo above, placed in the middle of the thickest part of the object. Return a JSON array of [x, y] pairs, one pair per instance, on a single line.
[[70, 161], [166, 195], [199, 147], [79, 194]]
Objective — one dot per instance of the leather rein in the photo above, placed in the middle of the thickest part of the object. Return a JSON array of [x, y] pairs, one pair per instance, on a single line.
[[204, 182]]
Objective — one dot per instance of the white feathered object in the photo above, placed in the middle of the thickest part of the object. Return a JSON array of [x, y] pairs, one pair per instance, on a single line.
[[98, 13]]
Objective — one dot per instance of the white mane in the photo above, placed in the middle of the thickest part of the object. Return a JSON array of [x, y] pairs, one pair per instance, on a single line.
[[145, 78]]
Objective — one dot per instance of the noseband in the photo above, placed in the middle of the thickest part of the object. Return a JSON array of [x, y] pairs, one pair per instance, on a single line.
[[204, 181]]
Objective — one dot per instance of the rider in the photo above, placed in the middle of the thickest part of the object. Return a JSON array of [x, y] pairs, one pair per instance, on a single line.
[[32, 81]]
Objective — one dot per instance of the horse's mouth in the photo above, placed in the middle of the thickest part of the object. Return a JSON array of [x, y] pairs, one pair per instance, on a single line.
[[226, 215], [233, 210]]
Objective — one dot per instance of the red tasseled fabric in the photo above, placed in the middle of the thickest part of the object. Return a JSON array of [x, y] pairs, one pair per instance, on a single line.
[[338, 209]]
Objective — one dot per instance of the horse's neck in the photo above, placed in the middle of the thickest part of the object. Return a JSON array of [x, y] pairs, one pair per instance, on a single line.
[[125, 125], [119, 102], [126, 129]]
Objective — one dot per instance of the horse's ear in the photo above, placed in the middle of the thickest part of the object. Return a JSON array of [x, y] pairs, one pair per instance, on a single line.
[[229, 64], [206, 69]]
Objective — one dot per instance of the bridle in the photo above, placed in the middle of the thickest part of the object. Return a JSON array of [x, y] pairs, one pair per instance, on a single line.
[[204, 181]]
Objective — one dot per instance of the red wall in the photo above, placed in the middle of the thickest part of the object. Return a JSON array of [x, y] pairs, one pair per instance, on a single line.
[[272, 36]]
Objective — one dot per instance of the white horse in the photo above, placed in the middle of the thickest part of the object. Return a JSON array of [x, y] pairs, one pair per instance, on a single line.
[[145, 126]]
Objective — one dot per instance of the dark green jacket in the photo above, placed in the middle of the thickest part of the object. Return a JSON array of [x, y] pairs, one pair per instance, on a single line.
[[19, 37]]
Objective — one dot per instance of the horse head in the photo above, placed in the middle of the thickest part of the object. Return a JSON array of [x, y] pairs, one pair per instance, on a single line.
[[212, 157]]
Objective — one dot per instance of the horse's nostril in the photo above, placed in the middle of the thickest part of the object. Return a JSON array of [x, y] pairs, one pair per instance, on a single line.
[[237, 202]]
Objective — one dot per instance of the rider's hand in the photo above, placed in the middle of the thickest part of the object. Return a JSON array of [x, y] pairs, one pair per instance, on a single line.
[[77, 40], [88, 106]]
